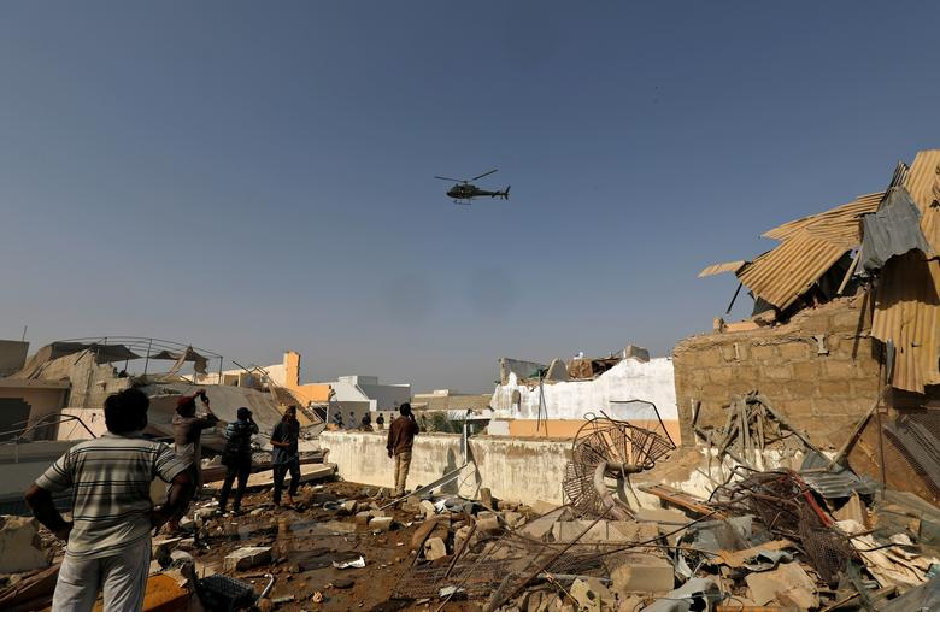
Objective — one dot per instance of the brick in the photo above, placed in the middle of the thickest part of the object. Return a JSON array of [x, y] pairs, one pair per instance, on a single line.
[[710, 358], [824, 406], [720, 375], [809, 370], [796, 351], [845, 320], [779, 372], [798, 408], [835, 389], [763, 352], [841, 369]]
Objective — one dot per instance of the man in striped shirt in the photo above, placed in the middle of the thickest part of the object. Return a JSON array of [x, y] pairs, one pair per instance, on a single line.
[[109, 536]]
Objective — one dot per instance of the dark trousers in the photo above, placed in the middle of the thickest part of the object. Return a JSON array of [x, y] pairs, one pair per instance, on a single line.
[[241, 470], [280, 471]]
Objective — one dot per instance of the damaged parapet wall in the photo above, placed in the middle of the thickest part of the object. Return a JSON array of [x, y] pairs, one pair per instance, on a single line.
[[820, 370], [518, 469], [564, 404]]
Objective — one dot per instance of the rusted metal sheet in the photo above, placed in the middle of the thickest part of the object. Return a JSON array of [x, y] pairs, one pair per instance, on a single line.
[[840, 225], [923, 183], [907, 313], [724, 267], [918, 436], [783, 274]]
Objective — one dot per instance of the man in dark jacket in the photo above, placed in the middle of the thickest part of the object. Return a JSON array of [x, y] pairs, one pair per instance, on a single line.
[[236, 456], [285, 456], [401, 435]]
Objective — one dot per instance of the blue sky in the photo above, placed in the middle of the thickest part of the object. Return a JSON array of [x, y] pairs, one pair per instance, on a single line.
[[253, 177]]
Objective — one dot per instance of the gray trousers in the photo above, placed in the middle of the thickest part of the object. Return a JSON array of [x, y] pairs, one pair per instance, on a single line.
[[122, 578]]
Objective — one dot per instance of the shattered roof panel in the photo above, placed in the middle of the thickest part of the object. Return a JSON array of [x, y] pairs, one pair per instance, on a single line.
[[838, 225], [907, 312], [891, 231], [783, 274], [724, 267], [923, 183]]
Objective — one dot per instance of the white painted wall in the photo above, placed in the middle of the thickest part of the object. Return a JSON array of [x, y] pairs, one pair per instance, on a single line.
[[518, 469], [629, 379]]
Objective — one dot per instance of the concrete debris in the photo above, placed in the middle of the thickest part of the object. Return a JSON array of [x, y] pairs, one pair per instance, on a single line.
[[488, 521], [247, 557], [434, 548], [643, 573], [380, 524], [698, 594], [592, 595], [789, 585], [20, 545]]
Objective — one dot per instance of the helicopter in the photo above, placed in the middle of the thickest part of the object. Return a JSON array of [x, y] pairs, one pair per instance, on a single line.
[[464, 191]]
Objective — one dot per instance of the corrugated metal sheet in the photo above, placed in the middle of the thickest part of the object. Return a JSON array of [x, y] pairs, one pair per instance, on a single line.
[[839, 483], [919, 437], [891, 231], [782, 275], [923, 182], [724, 267], [907, 312], [839, 225]]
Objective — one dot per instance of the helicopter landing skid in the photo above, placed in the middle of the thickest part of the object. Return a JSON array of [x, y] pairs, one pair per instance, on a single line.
[[461, 201]]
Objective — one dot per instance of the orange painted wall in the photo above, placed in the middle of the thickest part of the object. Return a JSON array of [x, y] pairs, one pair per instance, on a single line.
[[567, 428]]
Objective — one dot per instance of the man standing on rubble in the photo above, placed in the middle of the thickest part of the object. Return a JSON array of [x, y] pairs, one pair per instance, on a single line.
[[108, 550], [236, 457], [187, 432], [401, 435], [285, 455]]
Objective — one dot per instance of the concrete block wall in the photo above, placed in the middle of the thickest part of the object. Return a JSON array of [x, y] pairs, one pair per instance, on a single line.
[[518, 469], [823, 394]]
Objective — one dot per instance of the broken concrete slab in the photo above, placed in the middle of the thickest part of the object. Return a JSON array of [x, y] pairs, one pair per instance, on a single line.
[[789, 581], [20, 545], [486, 498], [541, 527], [247, 557], [643, 573], [427, 508], [380, 524]]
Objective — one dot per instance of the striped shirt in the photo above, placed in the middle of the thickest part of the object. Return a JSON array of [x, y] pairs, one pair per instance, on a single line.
[[110, 480]]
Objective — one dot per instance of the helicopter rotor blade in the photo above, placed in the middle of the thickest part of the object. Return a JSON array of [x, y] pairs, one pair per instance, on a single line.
[[489, 172], [446, 179]]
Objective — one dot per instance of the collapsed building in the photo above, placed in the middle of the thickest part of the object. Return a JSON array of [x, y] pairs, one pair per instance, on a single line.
[[844, 335]]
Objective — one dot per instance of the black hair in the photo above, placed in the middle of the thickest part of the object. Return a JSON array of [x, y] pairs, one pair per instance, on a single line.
[[126, 411], [405, 409]]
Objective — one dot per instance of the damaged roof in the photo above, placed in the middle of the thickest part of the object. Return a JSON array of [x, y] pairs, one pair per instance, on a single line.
[[781, 275], [838, 225]]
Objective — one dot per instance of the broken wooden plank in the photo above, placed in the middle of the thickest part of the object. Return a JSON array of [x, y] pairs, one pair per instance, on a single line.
[[682, 500]]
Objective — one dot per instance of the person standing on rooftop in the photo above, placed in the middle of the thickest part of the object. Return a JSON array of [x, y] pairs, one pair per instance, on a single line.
[[401, 435], [109, 537]]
